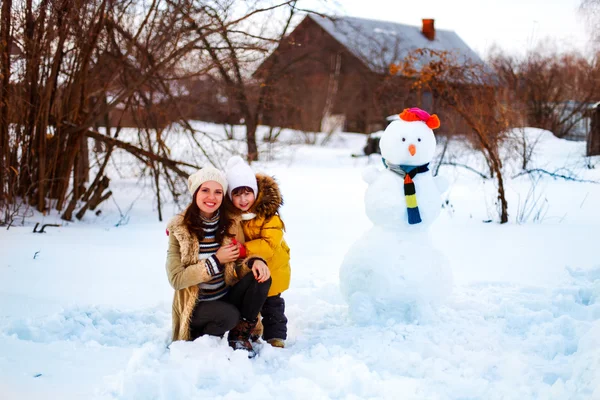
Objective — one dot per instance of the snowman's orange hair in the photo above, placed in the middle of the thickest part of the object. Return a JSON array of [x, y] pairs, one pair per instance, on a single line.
[[416, 114]]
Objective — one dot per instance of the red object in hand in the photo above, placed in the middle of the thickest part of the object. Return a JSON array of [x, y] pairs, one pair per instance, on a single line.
[[167, 231], [243, 251], [240, 247]]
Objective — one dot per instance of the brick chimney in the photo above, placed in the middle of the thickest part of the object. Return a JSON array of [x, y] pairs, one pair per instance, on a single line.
[[428, 29]]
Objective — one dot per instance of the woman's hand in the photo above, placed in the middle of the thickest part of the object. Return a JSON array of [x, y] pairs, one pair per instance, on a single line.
[[228, 253], [260, 270]]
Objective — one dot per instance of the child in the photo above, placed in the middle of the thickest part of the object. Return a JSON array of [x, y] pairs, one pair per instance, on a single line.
[[258, 199]]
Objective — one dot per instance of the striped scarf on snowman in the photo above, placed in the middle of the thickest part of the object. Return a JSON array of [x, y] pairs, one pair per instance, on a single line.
[[408, 172]]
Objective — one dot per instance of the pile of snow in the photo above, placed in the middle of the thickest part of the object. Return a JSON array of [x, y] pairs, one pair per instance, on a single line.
[[101, 325]]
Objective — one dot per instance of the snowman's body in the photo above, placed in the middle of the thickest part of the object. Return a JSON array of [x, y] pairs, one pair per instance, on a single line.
[[385, 202], [393, 270]]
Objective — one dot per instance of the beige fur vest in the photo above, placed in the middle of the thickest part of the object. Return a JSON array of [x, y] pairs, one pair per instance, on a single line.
[[185, 271]]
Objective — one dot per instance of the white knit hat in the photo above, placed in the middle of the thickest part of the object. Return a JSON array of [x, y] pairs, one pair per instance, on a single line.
[[204, 175], [239, 174]]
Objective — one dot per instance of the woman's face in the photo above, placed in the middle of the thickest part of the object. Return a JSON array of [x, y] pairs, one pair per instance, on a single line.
[[209, 198]]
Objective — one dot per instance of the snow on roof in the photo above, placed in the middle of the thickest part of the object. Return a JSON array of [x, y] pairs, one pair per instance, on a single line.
[[380, 43]]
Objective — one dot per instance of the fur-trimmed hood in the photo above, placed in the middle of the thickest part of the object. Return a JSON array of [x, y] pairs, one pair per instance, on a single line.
[[269, 199]]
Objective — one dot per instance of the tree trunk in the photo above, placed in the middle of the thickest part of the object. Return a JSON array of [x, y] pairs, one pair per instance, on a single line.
[[68, 214], [495, 161], [84, 162], [95, 196], [156, 175], [41, 161], [31, 76], [65, 168], [251, 140], [5, 46], [45, 168]]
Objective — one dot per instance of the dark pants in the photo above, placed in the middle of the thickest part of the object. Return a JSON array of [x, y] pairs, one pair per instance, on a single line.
[[244, 300], [274, 320]]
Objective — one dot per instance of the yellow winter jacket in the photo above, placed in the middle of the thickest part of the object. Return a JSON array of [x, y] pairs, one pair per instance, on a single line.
[[263, 233]]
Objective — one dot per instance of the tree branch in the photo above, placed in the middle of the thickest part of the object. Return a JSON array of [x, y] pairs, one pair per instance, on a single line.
[[553, 174], [136, 151]]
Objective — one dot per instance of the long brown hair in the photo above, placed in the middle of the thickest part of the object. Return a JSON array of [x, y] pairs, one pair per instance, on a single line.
[[192, 219]]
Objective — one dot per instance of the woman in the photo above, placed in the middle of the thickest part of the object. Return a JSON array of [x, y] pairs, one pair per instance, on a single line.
[[212, 296]]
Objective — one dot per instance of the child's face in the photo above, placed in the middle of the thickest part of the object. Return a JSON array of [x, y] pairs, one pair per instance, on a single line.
[[243, 199]]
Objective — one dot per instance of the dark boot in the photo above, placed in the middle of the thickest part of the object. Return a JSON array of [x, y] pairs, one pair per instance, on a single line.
[[239, 336], [274, 319]]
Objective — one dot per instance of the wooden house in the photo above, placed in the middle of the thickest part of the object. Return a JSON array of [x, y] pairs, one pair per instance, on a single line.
[[334, 74]]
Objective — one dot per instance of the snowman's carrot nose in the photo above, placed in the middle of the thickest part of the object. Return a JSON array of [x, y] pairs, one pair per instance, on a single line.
[[412, 149]]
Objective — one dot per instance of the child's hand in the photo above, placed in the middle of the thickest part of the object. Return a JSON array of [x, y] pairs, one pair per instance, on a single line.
[[228, 253], [260, 270]]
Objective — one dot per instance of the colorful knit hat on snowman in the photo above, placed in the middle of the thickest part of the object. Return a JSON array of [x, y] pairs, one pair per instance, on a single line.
[[416, 114]]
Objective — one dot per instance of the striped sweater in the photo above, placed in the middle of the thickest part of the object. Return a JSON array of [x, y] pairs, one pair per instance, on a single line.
[[215, 288]]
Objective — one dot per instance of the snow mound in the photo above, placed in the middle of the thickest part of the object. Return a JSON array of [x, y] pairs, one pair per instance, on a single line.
[[105, 326]]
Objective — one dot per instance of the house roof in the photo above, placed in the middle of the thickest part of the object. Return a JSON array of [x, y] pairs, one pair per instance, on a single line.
[[381, 43]]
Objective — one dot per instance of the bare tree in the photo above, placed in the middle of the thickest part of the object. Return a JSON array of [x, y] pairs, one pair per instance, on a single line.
[[81, 62], [553, 90], [235, 49]]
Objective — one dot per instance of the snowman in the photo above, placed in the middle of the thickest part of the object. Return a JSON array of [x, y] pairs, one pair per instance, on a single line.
[[393, 271]]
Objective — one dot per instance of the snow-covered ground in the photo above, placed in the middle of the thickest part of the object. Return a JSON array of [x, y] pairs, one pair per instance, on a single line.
[[85, 308]]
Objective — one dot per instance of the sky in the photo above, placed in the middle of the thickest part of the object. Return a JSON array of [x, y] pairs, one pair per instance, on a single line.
[[513, 25]]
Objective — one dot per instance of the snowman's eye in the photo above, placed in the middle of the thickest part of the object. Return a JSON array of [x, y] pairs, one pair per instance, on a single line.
[[419, 139], [404, 139]]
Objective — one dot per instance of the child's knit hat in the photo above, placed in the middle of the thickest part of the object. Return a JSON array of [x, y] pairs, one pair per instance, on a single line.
[[239, 174], [204, 175]]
